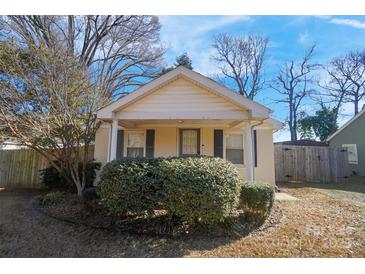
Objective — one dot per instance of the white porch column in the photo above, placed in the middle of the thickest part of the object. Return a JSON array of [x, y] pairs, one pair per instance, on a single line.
[[249, 153], [113, 143]]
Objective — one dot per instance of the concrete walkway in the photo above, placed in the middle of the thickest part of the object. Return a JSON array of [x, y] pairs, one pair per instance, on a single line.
[[281, 196]]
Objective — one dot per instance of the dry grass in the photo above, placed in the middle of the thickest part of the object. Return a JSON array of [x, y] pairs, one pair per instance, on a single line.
[[318, 225]]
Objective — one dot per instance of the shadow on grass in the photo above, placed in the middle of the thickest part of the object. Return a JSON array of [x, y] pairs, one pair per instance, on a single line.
[[354, 184], [30, 233], [142, 246]]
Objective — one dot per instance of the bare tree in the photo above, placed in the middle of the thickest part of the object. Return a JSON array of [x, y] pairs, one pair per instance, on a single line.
[[294, 82], [241, 61], [56, 71], [346, 80], [336, 88], [119, 51], [48, 104]]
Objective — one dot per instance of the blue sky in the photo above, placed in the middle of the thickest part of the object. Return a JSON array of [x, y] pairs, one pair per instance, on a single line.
[[290, 37]]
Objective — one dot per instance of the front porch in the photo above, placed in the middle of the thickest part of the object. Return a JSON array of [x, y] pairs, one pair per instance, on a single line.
[[245, 143], [186, 138]]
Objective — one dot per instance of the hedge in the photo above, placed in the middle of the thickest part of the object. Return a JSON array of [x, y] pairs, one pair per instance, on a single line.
[[130, 185], [256, 199], [195, 189], [203, 190]]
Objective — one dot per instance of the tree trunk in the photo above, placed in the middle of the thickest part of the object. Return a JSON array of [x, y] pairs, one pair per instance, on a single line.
[[295, 126], [292, 124], [356, 105]]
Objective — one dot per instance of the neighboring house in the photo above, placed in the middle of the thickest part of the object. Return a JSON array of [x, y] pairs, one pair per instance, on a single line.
[[352, 137], [11, 144], [184, 113]]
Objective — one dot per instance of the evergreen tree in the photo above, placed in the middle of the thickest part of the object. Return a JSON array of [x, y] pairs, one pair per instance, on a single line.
[[322, 124], [184, 60], [181, 60]]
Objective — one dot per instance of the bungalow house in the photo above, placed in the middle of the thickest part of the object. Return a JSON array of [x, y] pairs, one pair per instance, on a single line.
[[352, 137], [184, 113]]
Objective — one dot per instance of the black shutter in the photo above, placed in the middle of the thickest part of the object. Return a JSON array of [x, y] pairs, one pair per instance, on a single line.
[[120, 144], [218, 143], [150, 143], [255, 146]]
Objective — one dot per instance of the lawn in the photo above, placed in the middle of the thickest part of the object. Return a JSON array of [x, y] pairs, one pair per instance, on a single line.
[[325, 222]]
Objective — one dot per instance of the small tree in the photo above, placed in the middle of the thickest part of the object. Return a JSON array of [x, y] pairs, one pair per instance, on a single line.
[[48, 104], [181, 60], [184, 60], [322, 124], [294, 83], [241, 61]]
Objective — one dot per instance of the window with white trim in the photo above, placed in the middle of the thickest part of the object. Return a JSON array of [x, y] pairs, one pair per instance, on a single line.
[[135, 144], [234, 148], [351, 153]]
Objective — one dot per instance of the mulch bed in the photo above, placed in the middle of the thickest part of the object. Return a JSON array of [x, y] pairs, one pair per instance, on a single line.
[[73, 210]]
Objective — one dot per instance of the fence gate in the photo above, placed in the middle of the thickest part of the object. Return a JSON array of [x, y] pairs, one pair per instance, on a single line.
[[310, 163]]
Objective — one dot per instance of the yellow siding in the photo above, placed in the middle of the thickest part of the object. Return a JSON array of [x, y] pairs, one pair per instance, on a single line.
[[165, 142], [182, 99], [101, 145], [265, 170]]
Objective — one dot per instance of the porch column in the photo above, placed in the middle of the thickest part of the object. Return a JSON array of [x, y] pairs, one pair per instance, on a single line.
[[249, 153], [114, 138]]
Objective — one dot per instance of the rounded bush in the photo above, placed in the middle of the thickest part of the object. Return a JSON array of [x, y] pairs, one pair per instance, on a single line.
[[130, 186], [194, 189], [257, 198], [200, 189]]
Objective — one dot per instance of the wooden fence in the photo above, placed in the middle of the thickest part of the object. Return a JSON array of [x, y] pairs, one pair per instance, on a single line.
[[20, 167], [310, 164]]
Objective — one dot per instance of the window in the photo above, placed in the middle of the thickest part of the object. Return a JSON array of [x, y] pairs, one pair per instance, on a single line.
[[351, 153], [135, 144], [189, 142], [234, 148]]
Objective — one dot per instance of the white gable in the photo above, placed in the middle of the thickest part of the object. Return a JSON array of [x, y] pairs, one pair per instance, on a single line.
[[181, 99], [204, 94]]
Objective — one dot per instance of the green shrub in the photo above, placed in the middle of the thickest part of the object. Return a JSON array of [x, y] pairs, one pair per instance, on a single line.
[[52, 198], [200, 189], [130, 186], [256, 199], [52, 179], [193, 189]]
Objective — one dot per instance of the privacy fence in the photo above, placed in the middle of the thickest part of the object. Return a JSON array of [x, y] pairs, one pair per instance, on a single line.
[[310, 164], [20, 167]]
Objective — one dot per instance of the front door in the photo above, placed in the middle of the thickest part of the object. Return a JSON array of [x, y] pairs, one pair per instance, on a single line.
[[189, 142]]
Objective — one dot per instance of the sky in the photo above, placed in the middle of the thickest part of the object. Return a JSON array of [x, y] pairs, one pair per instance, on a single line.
[[289, 36]]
